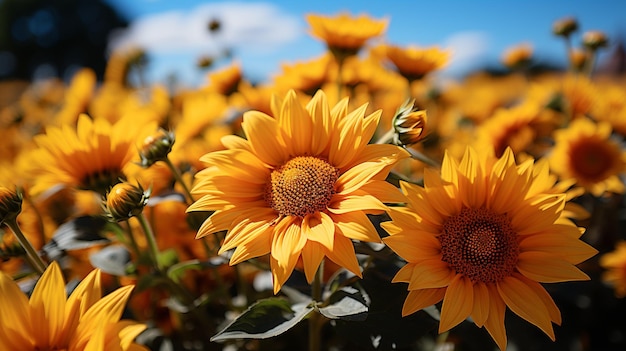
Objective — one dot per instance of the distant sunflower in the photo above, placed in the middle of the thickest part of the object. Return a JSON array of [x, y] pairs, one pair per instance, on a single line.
[[614, 263], [344, 34], [414, 62], [92, 156], [585, 152], [300, 186], [50, 321], [481, 236]]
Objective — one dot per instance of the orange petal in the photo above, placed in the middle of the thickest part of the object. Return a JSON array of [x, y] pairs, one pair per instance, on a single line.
[[457, 303], [480, 311], [319, 227], [495, 321], [312, 256], [48, 305], [419, 299], [524, 301], [257, 127], [356, 225], [343, 255], [548, 268]]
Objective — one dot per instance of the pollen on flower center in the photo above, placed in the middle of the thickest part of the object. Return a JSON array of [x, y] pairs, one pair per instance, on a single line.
[[303, 185], [480, 244]]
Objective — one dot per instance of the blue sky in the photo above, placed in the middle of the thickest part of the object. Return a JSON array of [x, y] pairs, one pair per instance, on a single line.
[[264, 34]]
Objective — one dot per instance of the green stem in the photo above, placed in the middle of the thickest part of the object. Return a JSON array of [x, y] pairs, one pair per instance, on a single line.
[[179, 179], [152, 245], [417, 155], [314, 320], [387, 137], [31, 255]]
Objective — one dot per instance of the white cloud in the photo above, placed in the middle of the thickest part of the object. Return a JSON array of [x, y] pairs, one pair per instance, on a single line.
[[468, 49], [254, 26]]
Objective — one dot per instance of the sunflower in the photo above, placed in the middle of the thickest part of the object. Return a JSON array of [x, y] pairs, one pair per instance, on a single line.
[[50, 321], [344, 34], [414, 62], [585, 152], [300, 186], [482, 236], [93, 156], [614, 263]]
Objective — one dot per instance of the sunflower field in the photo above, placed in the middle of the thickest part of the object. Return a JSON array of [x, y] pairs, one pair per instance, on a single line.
[[348, 203]]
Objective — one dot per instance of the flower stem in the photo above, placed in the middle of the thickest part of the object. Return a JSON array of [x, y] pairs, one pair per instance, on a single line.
[[31, 255], [152, 245], [387, 137], [179, 179], [417, 155], [314, 320]]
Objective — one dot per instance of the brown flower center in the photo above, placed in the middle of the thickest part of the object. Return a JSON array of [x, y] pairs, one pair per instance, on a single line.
[[303, 185], [480, 244], [592, 159]]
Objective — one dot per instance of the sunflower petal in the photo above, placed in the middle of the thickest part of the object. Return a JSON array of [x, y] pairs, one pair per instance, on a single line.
[[457, 303], [419, 299]]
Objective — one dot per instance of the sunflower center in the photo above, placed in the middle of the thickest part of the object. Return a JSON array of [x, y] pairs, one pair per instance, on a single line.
[[480, 244], [101, 181], [592, 158], [303, 185]]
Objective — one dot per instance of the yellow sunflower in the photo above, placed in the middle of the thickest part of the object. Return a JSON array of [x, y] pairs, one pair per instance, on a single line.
[[585, 152], [300, 186], [344, 34], [50, 321], [483, 235], [614, 263], [92, 156], [414, 62]]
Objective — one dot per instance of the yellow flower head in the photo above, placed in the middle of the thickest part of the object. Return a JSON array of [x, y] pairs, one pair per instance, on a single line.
[[517, 56], [92, 156], [483, 235], [414, 62], [50, 321], [614, 263], [585, 152], [344, 34], [300, 186]]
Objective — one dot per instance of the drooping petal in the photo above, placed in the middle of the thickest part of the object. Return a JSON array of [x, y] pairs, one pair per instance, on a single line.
[[457, 303], [319, 227], [480, 311], [356, 226], [495, 321], [343, 255], [15, 325], [419, 299], [312, 256], [524, 301]]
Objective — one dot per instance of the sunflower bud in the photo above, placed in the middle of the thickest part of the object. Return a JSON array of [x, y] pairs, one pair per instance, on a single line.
[[156, 148], [565, 26], [595, 39], [409, 124], [10, 204], [125, 201]]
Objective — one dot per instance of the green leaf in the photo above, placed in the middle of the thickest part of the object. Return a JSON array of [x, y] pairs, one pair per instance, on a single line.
[[168, 258], [346, 303], [265, 319]]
